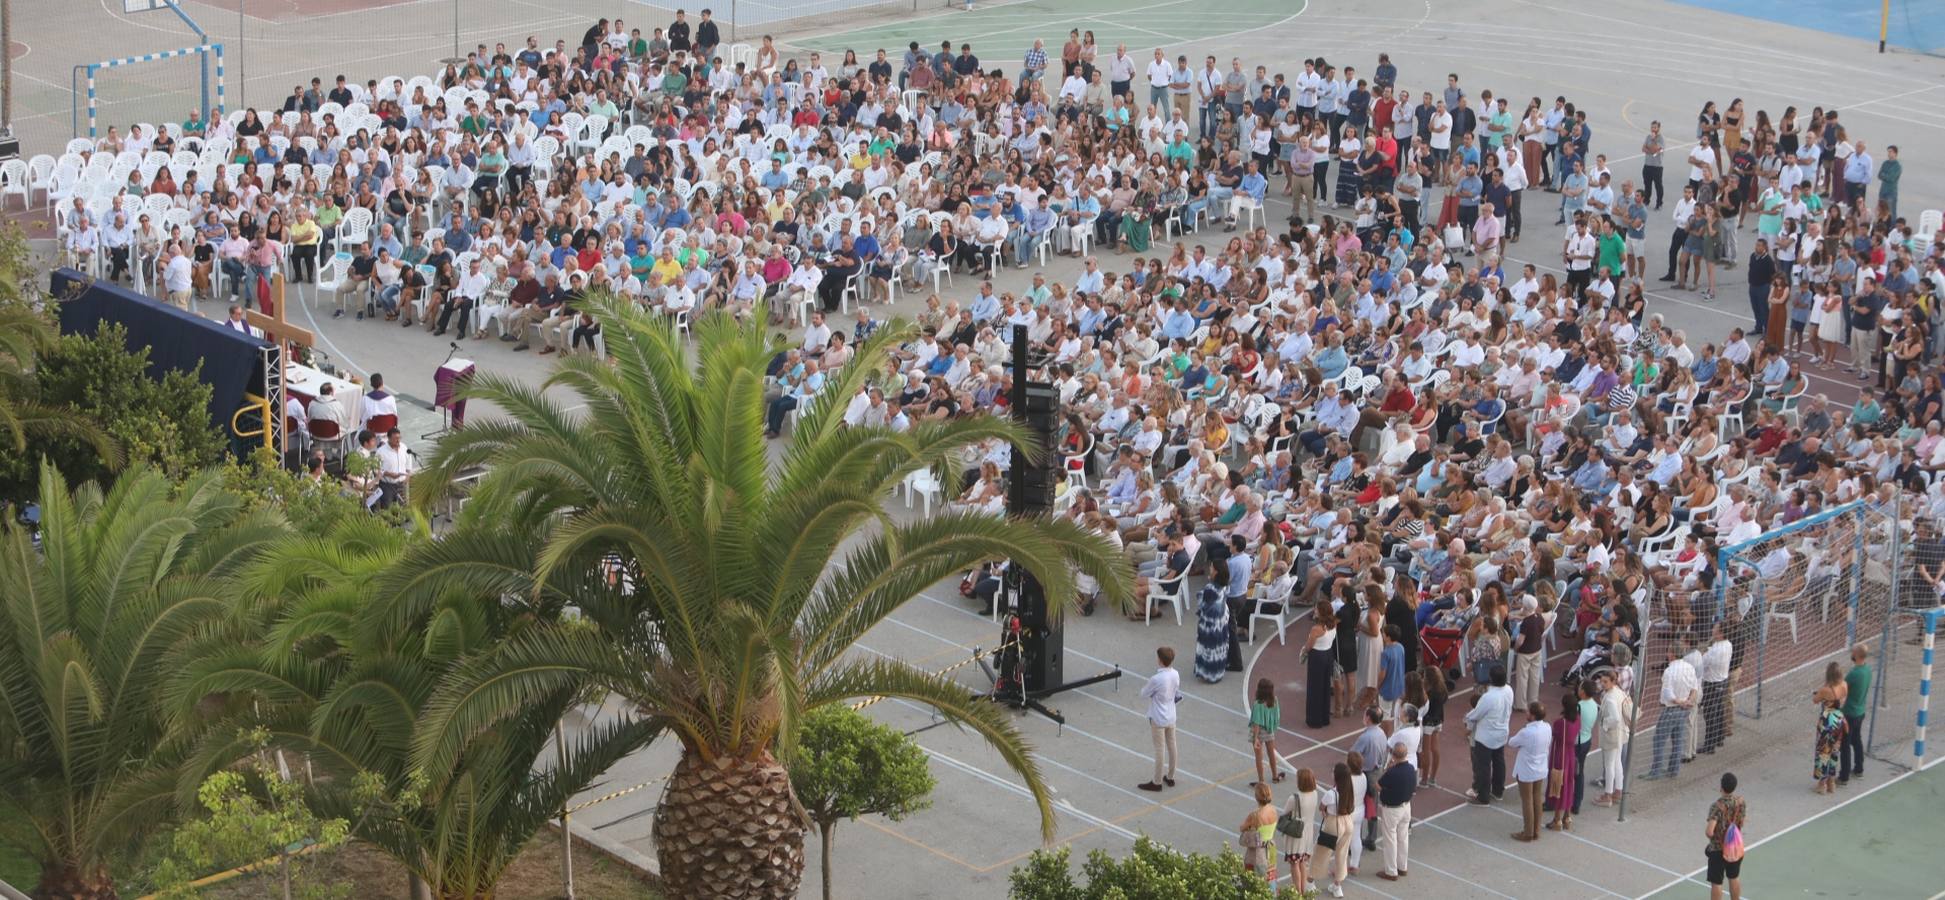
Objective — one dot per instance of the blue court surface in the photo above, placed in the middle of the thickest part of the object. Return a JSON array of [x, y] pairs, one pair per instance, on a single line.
[[1913, 24]]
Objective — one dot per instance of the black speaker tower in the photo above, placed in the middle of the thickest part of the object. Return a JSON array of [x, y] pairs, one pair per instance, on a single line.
[[1031, 654]]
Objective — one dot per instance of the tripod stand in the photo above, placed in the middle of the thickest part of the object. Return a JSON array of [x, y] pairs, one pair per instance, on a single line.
[[1010, 681]]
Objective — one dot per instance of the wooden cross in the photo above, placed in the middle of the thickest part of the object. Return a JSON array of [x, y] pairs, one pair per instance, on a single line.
[[284, 333], [275, 327]]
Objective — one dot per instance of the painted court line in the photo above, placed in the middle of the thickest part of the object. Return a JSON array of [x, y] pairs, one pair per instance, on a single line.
[[1604, 892], [1812, 818]]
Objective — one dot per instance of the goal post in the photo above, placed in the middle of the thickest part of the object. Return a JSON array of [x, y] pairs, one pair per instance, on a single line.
[[209, 58], [1793, 604]]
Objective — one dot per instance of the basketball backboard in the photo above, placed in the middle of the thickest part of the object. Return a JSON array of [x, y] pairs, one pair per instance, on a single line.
[[135, 6]]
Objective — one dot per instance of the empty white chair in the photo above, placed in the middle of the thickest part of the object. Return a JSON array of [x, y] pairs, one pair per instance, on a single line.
[[354, 228], [15, 180]]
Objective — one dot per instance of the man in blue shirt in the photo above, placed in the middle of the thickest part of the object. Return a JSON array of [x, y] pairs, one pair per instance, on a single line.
[[1249, 193], [1334, 417], [1036, 225], [986, 306], [776, 179], [1177, 324]]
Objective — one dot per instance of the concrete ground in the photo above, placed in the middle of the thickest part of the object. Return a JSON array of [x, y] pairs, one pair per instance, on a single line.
[[1626, 62]]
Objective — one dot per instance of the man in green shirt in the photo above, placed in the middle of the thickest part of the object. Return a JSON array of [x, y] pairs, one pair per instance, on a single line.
[[1613, 249], [1857, 699], [1888, 174]]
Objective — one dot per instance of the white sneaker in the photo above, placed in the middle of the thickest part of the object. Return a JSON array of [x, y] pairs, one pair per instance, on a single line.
[[1337, 890]]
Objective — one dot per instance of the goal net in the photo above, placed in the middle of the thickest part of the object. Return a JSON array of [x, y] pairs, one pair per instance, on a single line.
[[153, 89], [1788, 610]]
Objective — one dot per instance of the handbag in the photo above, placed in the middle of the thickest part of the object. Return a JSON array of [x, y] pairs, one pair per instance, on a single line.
[[1555, 780], [1326, 839], [1290, 825]]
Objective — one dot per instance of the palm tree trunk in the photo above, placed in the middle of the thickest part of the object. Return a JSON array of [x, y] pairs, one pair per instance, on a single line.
[[729, 829], [71, 883]]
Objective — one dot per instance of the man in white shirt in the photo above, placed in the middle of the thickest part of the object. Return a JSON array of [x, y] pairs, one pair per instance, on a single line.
[[1684, 210], [395, 465], [178, 273], [1681, 689], [1162, 691], [1488, 723], [817, 336], [1715, 690], [118, 238], [1530, 769], [1579, 253], [1701, 159], [82, 243]]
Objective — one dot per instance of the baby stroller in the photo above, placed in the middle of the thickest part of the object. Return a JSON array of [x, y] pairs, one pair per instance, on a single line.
[[1440, 647], [1592, 659]]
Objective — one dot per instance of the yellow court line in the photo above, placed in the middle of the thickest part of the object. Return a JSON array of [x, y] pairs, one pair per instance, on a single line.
[[923, 846]]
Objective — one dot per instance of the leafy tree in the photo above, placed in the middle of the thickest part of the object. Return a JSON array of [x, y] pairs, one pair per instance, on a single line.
[[325, 671], [849, 766], [24, 335], [1152, 872], [272, 823], [726, 592], [120, 585], [310, 507], [164, 422]]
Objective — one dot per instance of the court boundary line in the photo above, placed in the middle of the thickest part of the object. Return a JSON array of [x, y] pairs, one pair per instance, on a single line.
[[1807, 820], [1223, 783]]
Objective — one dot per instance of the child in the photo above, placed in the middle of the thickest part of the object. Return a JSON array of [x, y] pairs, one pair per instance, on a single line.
[[1263, 721]]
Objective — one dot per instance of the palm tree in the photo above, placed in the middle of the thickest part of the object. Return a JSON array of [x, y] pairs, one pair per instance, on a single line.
[[95, 616], [737, 585], [327, 676], [23, 335]]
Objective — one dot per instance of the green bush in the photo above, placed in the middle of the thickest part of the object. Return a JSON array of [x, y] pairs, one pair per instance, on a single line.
[[1152, 872], [164, 423]]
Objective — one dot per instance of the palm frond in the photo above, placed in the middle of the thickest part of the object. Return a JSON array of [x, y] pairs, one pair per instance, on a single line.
[[954, 702]]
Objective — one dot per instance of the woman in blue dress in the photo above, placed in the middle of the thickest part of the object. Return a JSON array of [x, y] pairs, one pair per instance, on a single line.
[[1212, 627]]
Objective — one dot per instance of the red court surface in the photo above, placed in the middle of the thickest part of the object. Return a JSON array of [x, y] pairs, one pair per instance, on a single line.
[[281, 11]]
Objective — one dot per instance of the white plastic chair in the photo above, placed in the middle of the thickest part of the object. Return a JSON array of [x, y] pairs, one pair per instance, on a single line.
[[354, 228], [14, 179], [1276, 594], [925, 486], [1175, 592]]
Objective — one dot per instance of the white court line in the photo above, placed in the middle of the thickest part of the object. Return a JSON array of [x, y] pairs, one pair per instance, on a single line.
[[1131, 672], [1221, 745], [1186, 774], [1812, 818], [1806, 116], [1041, 22], [1107, 23], [310, 69], [1014, 787], [1603, 891], [1226, 747], [1464, 804]]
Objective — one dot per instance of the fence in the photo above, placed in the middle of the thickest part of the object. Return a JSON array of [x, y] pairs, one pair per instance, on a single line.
[[269, 49], [1791, 603]]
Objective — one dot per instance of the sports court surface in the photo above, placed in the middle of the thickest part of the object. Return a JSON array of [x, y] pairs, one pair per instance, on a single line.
[[1627, 63]]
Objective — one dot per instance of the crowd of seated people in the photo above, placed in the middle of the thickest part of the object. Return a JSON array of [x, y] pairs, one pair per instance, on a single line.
[[1368, 405]]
